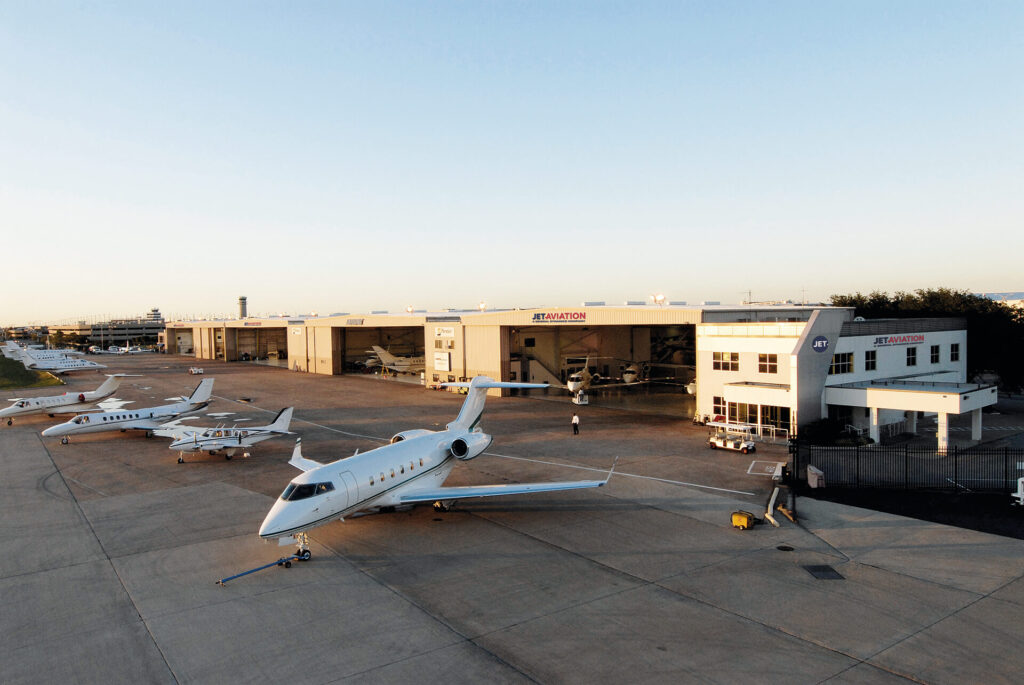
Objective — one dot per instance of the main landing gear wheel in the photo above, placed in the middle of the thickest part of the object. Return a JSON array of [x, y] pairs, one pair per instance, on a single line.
[[10, 422], [228, 457], [64, 440], [181, 460], [443, 505]]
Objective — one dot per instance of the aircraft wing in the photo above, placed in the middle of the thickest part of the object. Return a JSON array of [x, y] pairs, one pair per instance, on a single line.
[[498, 490]]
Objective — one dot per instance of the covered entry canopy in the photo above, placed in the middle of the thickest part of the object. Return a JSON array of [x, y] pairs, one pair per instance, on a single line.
[[943, 398]]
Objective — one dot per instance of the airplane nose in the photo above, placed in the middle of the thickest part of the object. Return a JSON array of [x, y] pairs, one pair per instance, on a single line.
[[274, 522], [52, 431]]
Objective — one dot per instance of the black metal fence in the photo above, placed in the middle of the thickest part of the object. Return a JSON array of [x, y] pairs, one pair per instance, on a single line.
[[913, 468]]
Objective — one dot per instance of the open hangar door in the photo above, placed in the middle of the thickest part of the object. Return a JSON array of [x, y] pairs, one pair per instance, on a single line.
[[401, 341], [661, 358], [267, 345]]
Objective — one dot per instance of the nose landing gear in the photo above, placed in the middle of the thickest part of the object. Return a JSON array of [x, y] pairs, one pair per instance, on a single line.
[[303, 553]]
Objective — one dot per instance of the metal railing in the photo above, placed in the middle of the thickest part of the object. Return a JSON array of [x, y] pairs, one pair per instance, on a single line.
[[913, 468]]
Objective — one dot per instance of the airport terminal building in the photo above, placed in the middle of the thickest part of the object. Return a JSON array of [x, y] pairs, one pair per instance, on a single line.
[[775, 367]]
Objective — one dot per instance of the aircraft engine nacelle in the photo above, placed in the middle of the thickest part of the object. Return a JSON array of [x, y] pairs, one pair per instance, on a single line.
[[470, 445], [405, 435]]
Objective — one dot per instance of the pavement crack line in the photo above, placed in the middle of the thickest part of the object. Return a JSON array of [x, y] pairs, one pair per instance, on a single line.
[[110, 561]]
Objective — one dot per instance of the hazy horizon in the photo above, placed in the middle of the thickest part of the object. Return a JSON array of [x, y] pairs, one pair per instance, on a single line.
[[337, 156]]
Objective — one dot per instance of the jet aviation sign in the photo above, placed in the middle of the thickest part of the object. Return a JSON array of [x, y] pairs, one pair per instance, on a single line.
[[891, 340], [560, 317]]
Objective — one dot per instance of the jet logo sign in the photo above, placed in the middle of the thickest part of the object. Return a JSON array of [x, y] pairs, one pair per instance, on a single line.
[[887, 340], [820, 344], [560, 317]]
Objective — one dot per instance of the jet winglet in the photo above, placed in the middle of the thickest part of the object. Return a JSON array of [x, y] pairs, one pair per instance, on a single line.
[[300, 462]]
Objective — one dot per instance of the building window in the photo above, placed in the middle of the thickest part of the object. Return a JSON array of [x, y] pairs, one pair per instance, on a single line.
[[935, 354], [911, 356], [842, 362], [871, 360], [718, 406], [954, 352], [741, 412], [726, 361], [439, 344], [451, 344], [767, 363]]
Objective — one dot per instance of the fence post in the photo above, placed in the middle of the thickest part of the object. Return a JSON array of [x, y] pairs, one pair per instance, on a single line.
[[1006, 470], [906, 466], [956, 468], [857, 464]]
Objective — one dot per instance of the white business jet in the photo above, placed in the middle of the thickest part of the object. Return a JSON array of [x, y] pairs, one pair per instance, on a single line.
[[68, 403], [227, 440], [411, 469], [135, 419], [399, 364], [55, 363]]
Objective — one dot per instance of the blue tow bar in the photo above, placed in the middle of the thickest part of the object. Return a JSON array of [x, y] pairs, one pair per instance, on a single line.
[[283, 561]]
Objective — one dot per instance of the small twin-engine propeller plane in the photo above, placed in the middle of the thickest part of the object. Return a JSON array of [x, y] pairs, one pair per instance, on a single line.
[[138, 419], [227, 440], [68, 403], [411, 469]]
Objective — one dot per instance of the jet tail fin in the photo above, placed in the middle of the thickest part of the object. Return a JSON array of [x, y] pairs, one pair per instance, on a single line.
[[384, 356], [282, 420], [473, 407], [202, 393], [300, 462]]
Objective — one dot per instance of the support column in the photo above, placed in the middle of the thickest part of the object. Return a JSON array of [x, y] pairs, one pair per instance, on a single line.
[[911, 421], [976, 424], [942, 434], [873, 434]]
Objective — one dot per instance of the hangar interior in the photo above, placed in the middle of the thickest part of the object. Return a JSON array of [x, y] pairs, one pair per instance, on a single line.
[[661, 353]]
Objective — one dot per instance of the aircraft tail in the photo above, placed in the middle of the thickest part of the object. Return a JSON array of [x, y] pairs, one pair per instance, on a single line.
[[473, 407], [110, 385], [386, 357], [282, 420], [202, 393]]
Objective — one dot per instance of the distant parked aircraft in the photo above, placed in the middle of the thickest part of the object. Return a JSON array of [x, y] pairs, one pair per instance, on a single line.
[[68, 403], [226, 440], [138, 419], [399, 364]]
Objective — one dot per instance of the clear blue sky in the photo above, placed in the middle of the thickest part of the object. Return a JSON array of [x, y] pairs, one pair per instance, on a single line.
[[335, 156]]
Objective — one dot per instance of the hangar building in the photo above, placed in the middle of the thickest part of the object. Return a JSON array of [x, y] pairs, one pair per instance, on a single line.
[[773, 366]]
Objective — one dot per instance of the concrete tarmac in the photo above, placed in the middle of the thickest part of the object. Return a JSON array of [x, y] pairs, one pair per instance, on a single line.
[[111, 550]]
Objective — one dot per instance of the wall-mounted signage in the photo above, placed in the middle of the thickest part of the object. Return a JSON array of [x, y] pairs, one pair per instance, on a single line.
[[444, 332], [296, 331], [890, 340], [253, 323], [353, 322], [820, 344], [560, 317], [442, 361]]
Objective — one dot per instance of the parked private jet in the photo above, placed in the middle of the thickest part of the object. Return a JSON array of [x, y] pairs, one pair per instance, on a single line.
[[583, 379], [411, 469], [68, 403], [399, 364], [226, 440], [137, 419], [59, 364]]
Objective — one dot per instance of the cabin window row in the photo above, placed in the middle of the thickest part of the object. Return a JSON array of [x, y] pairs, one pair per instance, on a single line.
[[401, 469]]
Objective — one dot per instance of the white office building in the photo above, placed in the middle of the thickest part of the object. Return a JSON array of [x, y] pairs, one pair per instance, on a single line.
[[874, 376]]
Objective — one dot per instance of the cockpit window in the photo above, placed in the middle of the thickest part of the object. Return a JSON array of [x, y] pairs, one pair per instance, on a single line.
[[296, 492]]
